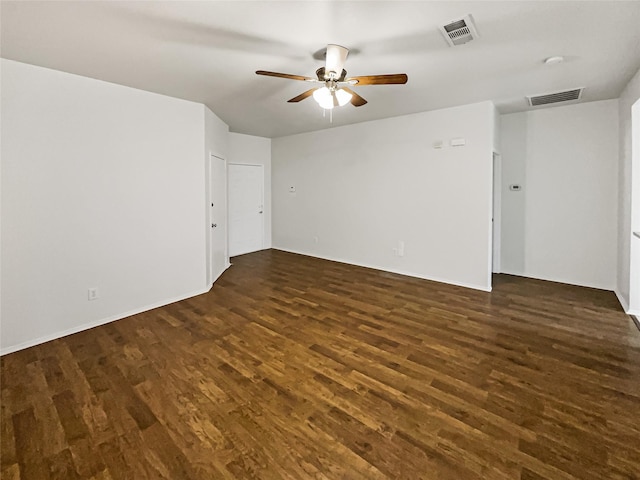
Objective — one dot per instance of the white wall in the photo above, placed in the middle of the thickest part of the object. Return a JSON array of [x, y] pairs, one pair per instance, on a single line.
[[252, 150], [628, 97], [102, 186], [361, 189], [562, 225]]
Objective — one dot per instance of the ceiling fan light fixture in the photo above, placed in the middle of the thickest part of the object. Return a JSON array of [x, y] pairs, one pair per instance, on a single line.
[[324, 98], [343, 97]]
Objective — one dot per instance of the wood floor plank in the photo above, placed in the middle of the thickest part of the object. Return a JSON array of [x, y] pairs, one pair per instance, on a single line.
[[293, 367], [28, 445], [61, 466]]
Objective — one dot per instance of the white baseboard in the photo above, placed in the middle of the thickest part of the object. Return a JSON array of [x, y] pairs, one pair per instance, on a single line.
[[622, 300], [227, 265], [251, 251], [97, 323], [625, 305], [384, 269], [558, 280]]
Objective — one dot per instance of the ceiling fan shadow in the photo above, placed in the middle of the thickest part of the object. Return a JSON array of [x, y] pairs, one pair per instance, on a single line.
[[188, 32], [421, 42]]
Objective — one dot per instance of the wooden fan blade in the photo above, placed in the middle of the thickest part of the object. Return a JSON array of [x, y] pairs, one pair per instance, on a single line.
[[285, 75], [302, 96], [395, 78], [356, 100]]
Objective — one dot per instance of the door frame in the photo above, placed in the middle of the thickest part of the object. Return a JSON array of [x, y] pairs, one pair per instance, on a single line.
[[262, 177], [634, 214], [496, 213], [212, 158]]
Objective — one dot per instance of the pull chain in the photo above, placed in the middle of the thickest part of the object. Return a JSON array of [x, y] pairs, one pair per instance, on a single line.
[[324, 114]]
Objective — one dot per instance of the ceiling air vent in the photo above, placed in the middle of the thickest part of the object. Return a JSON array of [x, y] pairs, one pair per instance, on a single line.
[[460, 31], [565, 96]]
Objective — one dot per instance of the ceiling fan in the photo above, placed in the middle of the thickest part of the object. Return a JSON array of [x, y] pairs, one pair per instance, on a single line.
[[334, 90]]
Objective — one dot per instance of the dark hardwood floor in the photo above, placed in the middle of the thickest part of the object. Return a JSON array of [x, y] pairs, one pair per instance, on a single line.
[[294, 367]]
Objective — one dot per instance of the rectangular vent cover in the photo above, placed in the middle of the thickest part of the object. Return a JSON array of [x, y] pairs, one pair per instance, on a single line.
[[460, 31], [556, 97]]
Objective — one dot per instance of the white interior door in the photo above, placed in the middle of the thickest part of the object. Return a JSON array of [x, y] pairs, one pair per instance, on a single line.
[[218, 217], [246, 207]]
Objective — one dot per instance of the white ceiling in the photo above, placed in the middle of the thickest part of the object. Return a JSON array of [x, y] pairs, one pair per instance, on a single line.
[[208, 51]]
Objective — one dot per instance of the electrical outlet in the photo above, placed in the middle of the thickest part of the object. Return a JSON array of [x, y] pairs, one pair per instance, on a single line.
[[315, 239], [401, 248], [92, 293]]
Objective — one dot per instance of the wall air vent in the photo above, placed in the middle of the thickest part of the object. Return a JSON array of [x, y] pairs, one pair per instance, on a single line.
[[557, 97], [460, 31]]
